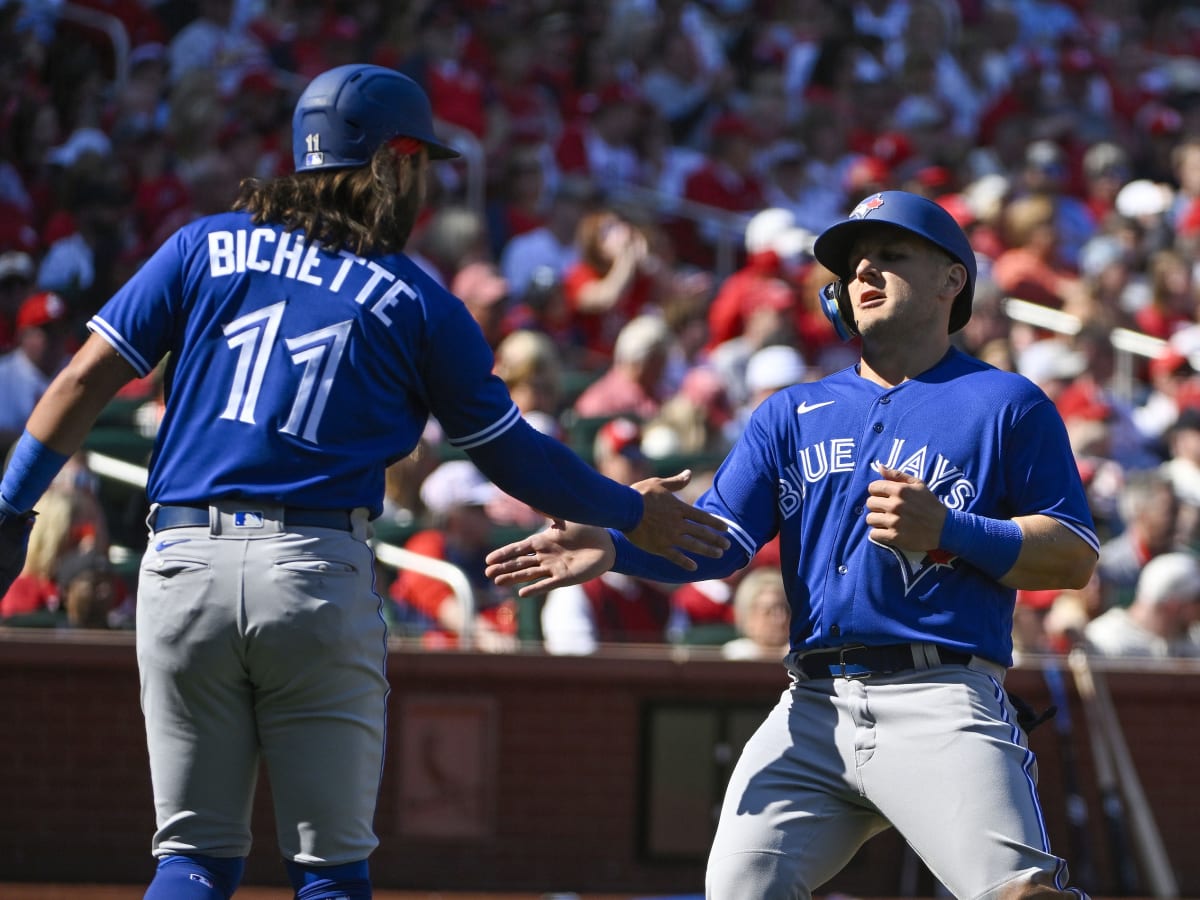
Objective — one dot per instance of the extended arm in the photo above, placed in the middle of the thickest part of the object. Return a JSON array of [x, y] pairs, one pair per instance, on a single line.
[[572, 554], [56, 429], [69, 408], [547, 475]]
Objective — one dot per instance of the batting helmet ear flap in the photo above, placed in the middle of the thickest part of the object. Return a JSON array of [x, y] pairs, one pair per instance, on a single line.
[[836, 306]]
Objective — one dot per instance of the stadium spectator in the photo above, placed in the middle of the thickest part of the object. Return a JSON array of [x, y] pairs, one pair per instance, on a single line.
[[452, 236], [485, 292], [215, 41], [1148, 516], [599, 143], [517, 197], [1032, 268], [80, 264], [454, 495], [762, 616], [769, 321], [552, 243], [16, 281], [1046, 172], [682, 89], [618, 276], [88, 588], [1170, 303], [741, 292], [633, 384], [1182, 445], [34, 597], [1171, 386], [42, 330], [616, 609], [1165, 605], [727, 181], [771, 369]]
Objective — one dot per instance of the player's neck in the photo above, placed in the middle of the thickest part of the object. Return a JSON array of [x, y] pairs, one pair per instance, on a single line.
[[891, 364]]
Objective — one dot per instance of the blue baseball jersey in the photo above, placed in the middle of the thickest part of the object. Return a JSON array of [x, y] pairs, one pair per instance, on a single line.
[[985, 441], [296, 374]]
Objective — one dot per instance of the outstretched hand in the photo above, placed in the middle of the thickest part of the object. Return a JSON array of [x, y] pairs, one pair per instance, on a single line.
[[553, 558], [671, 528]]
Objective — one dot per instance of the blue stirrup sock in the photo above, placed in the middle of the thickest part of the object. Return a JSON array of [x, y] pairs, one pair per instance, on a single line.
[[349, 881], [196, 877]]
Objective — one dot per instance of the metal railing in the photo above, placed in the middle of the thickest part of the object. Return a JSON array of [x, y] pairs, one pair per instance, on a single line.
[[112, 28], [106, 466], [1127, 345], [726, 229]]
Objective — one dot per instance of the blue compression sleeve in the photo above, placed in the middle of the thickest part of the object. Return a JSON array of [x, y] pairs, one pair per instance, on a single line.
[[30, 471], [631, 560], [990, 545], [550, 477]]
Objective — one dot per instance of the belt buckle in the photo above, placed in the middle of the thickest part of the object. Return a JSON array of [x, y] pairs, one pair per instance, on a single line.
[[841, 664]]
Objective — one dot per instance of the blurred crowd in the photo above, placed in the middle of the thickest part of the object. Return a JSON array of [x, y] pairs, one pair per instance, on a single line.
[[631, 225]]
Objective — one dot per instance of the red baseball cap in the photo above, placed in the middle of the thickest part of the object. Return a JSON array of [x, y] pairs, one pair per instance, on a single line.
[[41, 310], [622, 436]]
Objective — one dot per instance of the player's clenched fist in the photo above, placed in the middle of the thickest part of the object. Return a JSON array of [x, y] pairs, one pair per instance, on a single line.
[[903, 512]]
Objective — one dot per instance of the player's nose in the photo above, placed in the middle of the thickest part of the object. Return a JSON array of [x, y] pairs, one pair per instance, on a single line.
[[865, 268]]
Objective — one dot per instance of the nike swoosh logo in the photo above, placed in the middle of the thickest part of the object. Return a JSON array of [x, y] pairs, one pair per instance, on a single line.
[[163, 545], [807, 407]]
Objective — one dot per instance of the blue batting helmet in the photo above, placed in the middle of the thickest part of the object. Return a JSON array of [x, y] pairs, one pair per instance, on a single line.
[[347, 112], [913, 213]]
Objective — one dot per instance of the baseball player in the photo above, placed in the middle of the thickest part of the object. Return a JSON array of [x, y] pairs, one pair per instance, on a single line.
[[913, 493], [306, 351]]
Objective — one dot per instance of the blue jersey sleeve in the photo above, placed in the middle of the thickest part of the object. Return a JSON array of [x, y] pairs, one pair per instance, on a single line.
[[546, 474], [141, 320], [1043, 475]]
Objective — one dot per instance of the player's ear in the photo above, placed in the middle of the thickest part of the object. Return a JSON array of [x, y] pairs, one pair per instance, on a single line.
[[956, 278]]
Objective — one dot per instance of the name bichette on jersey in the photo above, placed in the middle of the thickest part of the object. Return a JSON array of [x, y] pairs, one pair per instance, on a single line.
[[290, 255]]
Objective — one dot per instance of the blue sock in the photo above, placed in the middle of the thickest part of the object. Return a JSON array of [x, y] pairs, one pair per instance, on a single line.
[[196, 877], [349, 881]]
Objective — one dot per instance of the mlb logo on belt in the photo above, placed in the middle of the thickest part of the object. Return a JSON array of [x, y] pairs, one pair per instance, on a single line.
[[247, 519]]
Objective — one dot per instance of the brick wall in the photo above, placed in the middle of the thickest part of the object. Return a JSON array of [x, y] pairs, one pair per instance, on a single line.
[[515, 772]]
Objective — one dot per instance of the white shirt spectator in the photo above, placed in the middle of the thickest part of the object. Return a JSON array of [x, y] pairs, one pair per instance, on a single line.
[[24, 383]]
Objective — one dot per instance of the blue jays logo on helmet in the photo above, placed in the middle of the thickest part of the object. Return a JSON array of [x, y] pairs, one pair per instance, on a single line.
[[345, 113], [865, 206], [912, 212]]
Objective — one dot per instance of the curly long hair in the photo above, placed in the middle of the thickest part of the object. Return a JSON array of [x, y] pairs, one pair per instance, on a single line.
[[367, 210]]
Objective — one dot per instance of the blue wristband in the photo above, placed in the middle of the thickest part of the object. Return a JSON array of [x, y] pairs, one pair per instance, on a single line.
[[990, 545], [29, 473]]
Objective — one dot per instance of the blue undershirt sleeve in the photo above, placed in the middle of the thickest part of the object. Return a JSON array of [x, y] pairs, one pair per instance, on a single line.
[[632, 560], [546, 474]]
